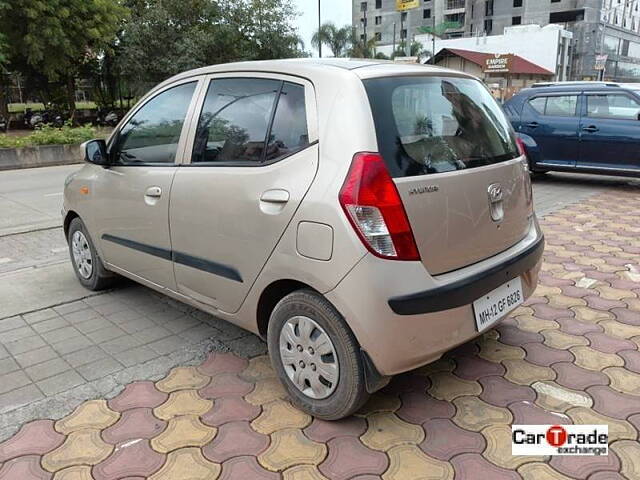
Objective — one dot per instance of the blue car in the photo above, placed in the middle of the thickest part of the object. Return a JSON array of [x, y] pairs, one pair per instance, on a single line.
[[588, 127]]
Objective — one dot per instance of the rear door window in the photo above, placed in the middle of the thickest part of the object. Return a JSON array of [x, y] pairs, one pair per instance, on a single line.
[[538, 104], [428, 125], [235, 119], [556, 105], [242, 116], [562, 106], [289, 132]]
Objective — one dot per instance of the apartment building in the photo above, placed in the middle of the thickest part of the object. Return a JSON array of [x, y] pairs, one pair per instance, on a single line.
[[380, 18], [610, 27]]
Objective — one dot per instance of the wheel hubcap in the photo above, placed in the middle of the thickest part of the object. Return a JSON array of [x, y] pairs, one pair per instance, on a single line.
[[81, 254], [309, 357]]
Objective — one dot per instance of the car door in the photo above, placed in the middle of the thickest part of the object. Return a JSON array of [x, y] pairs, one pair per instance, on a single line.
[[131, 214], [254, 155], [552, 121], [610, 131]]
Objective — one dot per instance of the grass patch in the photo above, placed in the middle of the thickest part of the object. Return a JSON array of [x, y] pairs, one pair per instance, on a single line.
[[38, 107], [48, 135]]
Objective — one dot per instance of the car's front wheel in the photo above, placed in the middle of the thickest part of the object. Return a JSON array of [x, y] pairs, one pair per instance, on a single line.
[[85, 260], [316, 356]]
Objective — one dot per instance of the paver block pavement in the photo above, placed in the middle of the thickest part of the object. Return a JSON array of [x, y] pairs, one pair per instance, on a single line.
[[570, 355]]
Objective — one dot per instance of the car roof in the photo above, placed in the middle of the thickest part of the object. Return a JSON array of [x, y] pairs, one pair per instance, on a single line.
[[312, 67], [573, 86]]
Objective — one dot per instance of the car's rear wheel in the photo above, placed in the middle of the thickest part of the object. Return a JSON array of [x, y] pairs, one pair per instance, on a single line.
[[85, 259], [316, 356]]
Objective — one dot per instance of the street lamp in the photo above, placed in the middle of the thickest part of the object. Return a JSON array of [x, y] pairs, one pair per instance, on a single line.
[[319, 27]]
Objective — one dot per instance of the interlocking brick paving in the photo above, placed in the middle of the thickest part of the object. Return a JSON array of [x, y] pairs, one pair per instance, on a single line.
[[570, 355]]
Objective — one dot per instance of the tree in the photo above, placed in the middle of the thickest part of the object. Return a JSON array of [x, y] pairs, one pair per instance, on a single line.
[[337, 39], [56, 38], [437, 31], [417, 50], [165, 37], [360, 48], [4, 74]]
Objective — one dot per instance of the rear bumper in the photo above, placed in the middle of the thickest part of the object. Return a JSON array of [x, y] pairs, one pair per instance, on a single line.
[[398, 341], [467, 290]]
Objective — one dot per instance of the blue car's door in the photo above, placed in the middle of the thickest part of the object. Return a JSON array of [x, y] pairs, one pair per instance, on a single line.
[[552, 120], [610, 131]]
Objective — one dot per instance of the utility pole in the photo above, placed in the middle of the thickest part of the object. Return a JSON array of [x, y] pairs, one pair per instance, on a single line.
[[393, 52], [401, 27], [319, 27], [407, 45], [363, 7], [433, 35]]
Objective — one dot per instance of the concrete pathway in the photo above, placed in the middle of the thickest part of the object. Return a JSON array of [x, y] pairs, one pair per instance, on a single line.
[[31, 199], [570, 355]]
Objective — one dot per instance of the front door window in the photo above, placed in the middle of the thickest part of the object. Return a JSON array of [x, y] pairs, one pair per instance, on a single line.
[[152, 135]]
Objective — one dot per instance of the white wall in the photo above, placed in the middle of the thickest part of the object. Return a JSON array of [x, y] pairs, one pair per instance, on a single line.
[[539, 45]]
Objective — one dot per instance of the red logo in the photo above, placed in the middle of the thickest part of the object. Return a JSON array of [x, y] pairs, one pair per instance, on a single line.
[[556, 436]]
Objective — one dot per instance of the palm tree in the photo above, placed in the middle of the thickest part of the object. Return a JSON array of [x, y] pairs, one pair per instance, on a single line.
[[360, 49], [417, 50], [337, 39]]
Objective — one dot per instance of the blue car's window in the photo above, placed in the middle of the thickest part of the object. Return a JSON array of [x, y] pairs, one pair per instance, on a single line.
[[557, 105], [613, 106], [562, 106], [538, 104]]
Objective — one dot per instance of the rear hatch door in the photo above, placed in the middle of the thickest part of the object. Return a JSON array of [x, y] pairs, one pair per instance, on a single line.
[[453, 156]]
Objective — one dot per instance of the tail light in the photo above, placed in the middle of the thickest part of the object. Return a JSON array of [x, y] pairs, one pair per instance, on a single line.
[[373, 206], [521, 148]]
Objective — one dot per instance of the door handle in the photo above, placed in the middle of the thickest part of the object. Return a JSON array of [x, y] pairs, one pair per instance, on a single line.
[[533, 125], [154, 192], [590, 129], [275, 196]]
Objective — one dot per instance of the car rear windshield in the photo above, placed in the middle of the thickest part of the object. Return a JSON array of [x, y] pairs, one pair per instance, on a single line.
[[430, 125]]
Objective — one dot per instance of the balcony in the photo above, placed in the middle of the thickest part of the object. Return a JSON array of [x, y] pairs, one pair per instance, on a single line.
[[454, 6], [456, 21]]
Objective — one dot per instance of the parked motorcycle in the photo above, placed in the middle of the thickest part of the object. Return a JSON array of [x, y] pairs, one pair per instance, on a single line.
[[111, 119], [37, 120]]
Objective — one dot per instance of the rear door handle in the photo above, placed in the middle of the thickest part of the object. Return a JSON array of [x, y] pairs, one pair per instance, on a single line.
[[154, 192], [533, 125], [590, 129], [275, 196]]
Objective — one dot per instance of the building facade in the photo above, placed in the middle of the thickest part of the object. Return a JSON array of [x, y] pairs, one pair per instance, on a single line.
[[549, 46], [599, 27]]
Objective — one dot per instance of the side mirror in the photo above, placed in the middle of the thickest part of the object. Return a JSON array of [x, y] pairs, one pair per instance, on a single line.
[[95, 151]]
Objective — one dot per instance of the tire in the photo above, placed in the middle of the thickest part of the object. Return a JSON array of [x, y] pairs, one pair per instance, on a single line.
[[98, 278], [536, 171], [335, 399]]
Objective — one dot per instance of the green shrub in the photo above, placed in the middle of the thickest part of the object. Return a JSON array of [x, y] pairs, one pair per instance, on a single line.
[[48, 135]]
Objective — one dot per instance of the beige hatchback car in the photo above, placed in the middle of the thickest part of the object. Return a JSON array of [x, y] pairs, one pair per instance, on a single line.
[[362, 217]]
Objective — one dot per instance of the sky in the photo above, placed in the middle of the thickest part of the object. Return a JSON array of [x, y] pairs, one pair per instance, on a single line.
[[336, 11]]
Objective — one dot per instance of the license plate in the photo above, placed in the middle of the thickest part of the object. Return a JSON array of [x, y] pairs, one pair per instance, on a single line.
[[497, 303]]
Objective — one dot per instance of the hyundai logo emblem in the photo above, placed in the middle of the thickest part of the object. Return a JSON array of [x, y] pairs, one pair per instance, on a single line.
[[495, 193]]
